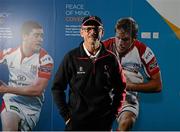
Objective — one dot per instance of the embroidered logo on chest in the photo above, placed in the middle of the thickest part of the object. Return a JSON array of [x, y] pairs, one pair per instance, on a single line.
[[33, 69], [81, 70]]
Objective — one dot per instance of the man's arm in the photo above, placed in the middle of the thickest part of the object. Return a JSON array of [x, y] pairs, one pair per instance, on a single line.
[[153, 85], [120, 91], [59, 87], [38, 86], [150, 64], [5, 52], [36, 89]]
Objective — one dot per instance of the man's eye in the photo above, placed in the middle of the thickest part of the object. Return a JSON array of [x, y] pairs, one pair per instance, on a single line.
[[38, 35], [91, 28]]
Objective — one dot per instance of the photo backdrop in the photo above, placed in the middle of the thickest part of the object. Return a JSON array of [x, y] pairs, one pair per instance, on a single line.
[[159, 28]]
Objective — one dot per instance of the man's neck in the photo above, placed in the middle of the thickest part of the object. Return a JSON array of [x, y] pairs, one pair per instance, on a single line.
[[26, 50], [128, 50], [93, 47]]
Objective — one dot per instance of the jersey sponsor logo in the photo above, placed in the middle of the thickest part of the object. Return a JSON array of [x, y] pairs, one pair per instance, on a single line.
[[153, 65], [148, 55], [12, 107], [81, 70], [132, 67], [106, 67], [17, 83], [45, 69], [46, 60], [33, 69], [106, 71], [21, 78]]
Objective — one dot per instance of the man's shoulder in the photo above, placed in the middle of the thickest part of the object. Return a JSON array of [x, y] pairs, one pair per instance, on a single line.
[[140, 45], [9, 51], [111, 39], [108, 42], [43, 51], [108, 53], [75, 51], [44, 56], [144, 51], [72, 53]]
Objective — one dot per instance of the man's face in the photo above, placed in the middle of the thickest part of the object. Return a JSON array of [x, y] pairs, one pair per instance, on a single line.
[[91, 34], [123, 41], [34, 39]]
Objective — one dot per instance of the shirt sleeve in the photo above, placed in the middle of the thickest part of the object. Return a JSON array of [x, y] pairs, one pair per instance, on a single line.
[[46, 66], [150, 62], [4, 53], [120, 91], [59, 86], [108, 43]]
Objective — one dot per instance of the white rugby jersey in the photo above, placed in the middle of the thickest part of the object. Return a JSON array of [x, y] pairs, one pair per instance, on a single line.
[[25, 72], [137, 59]]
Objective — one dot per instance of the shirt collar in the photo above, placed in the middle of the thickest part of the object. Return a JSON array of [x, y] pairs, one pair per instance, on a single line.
[[89, 54]]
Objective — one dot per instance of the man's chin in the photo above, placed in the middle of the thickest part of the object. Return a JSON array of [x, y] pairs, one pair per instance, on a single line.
[[121, 51], [37, 50], [94, 40]]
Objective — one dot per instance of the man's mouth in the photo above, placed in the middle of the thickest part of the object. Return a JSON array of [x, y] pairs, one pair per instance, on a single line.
[[94, 37], [38, 45], [121, 48]]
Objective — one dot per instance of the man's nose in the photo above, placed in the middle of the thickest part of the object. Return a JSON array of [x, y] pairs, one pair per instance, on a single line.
[[40, 38], [93, 31]]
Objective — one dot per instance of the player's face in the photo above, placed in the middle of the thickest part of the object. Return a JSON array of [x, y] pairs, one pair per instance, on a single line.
[[34, 39], [123, 41], [91, 34]]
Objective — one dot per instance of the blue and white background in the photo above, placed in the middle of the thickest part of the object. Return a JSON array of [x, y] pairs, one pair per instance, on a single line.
[[159, 28]]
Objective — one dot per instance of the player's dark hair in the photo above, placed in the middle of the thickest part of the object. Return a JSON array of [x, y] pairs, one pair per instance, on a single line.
[[28, 26], [129, 25]]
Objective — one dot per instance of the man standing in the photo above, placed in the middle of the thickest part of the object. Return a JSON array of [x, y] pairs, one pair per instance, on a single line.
[[30, 69], [134, 57], [95, 79]]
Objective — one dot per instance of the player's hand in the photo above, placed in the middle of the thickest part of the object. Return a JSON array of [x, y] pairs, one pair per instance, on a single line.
[[3, 87], [129, 83], [127, 79], [68, 121]]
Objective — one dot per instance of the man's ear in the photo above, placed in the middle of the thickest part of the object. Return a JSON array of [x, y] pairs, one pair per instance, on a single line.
[[24, 36], [102, 32], [81, 33]]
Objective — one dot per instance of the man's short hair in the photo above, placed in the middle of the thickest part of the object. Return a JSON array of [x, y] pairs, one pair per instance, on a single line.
[[129, 25], [28, 26]]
